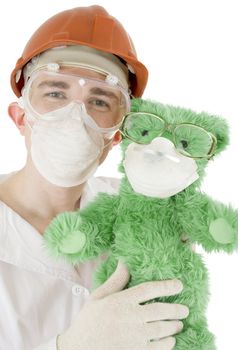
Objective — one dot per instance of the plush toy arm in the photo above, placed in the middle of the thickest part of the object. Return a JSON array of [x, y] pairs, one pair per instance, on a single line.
[[212, 224], [83, 234]]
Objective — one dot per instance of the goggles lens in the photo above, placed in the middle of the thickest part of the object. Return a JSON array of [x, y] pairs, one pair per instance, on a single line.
[[189, 139], [106, 103]]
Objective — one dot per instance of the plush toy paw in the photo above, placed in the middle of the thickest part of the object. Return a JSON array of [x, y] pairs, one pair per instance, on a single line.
[[221, 231], [73, 243], [63, 235]]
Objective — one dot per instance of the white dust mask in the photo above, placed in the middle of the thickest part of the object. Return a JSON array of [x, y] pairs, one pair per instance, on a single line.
[[158, 169], [64, 148]]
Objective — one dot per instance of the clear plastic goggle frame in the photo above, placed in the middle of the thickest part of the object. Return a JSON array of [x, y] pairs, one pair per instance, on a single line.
[[189, 139], [104, 101]]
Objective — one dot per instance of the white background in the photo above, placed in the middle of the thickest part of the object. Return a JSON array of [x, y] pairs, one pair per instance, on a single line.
[[190, 49]]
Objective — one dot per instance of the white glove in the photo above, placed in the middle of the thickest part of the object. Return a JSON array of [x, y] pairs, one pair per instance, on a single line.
[[114, 319]]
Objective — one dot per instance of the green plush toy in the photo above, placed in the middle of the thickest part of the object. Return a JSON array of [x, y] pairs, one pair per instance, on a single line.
[[159, 211]]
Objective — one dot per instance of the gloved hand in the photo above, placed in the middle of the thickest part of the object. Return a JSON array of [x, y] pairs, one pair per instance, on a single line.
[[113, 319]]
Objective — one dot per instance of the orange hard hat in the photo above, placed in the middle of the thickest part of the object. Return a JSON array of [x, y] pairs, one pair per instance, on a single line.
[[89, 26]]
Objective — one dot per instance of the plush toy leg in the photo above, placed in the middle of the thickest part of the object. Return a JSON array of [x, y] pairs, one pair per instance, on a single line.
[[195, 339]]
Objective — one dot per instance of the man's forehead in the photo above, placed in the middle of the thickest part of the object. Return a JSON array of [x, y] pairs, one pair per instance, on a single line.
[[84, 72], [69, 80], [67, 75]]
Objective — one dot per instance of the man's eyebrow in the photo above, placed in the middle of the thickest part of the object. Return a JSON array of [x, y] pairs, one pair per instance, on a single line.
[[102, 92], [54, 83]]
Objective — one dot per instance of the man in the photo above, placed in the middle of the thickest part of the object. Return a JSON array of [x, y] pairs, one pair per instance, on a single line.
[[74, 82]]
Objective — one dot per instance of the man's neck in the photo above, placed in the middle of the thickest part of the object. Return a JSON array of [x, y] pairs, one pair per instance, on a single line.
[[35, 199]]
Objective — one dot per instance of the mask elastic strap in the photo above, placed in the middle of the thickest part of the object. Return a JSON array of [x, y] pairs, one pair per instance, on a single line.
[[27, 123]]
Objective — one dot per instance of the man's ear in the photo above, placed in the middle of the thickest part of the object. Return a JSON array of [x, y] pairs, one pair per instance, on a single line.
[[16, 113], [116, 138]]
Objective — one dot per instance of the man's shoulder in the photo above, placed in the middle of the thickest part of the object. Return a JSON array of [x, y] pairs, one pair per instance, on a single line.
[[3, 232], [3, 207]]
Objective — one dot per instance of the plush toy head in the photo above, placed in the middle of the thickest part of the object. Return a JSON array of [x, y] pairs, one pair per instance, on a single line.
[[166, 148]]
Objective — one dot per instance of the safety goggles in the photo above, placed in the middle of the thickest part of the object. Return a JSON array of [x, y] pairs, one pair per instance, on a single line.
[[105, 101], [189, 139]]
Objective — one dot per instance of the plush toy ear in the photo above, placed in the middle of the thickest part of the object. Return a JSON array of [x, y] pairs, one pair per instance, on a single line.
[[221, 131]]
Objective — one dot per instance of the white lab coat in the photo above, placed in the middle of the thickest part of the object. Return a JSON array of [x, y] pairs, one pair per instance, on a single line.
[[39, 296]]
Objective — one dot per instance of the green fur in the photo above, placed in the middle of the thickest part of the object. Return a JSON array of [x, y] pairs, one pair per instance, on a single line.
[[147, 233]]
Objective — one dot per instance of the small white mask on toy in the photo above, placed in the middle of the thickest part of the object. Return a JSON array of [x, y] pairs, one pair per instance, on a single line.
[[158, 169]]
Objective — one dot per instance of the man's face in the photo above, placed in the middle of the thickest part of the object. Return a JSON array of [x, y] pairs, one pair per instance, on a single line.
[[104, 103]]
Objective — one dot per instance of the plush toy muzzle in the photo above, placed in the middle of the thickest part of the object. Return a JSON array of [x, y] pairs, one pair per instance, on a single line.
[[158, 169]]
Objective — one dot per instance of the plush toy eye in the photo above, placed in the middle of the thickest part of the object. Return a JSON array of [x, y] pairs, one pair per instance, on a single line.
[[184, 143], [144, 132]]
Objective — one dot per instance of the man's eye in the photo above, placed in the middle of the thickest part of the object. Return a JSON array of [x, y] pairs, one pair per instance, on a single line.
[[144, 132], [184, 143], [99, 103], [55, 94]]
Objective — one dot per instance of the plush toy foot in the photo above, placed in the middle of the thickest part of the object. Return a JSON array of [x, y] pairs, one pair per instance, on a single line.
[[195, 339], [63, 236], [73, 243]]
